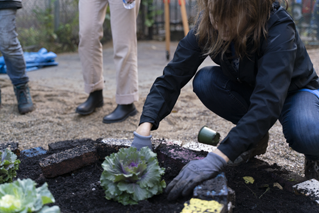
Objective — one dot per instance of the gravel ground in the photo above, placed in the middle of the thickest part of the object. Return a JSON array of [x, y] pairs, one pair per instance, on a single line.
[[57, 91]]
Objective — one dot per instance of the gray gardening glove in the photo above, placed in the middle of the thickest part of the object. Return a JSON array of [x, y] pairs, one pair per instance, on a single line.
[[140, 141], [193, 174]]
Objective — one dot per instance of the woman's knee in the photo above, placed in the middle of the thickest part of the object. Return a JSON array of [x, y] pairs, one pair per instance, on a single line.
[[204, 78], [299, 119], [304, 140], [197, 80]]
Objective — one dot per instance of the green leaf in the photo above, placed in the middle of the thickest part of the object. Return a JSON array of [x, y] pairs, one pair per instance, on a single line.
[[149, 22], [45, 194], [47, 209], [130, 175], [29, 198], [137, 192], [249, 179], [8, 166]]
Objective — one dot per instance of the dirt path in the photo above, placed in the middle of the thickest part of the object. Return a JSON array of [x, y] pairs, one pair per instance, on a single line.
[[57, 91]]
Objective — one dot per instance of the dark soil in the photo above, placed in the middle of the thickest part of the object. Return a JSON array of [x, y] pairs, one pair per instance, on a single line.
[[80, 191], [262, 196]]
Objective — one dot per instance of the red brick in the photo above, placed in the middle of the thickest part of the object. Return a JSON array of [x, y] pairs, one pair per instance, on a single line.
[[69, 144], [68, 161]]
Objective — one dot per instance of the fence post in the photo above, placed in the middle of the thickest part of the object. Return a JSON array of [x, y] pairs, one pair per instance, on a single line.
[[47, 4], [56, 15], [150, 29]]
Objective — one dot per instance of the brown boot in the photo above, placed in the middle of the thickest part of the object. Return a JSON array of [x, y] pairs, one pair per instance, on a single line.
[[260, 148]]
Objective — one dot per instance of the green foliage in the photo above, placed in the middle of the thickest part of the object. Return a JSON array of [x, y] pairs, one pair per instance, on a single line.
[[45, 18], [130, 176], [67, 34], [28, 36], [22, 196], [151, 12], [43, 34], [8, 166], [107, 32], [37, 30]]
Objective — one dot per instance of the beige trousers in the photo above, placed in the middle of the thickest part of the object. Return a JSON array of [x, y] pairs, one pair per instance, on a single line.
[[123, 27]]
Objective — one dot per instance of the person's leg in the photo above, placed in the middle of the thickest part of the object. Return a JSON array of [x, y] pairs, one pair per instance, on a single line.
[[228, 99], [123, 23], [11, 49], [91, 18], [299, 119], [13, 56]]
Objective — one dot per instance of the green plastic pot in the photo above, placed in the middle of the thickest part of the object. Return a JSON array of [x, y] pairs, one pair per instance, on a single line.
[[208, 136]]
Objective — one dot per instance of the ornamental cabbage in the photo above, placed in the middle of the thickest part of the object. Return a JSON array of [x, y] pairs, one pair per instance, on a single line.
[[130, 175], [22, 196], [8, 166]]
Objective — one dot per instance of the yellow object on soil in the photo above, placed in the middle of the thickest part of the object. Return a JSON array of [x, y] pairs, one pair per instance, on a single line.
[[249, 179], [198, 205]]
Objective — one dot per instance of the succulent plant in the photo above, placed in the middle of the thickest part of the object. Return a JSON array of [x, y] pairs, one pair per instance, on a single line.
[[22, 196], [9, 165], [130, 176]]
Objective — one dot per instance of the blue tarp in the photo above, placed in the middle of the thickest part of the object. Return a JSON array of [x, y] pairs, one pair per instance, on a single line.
[[34, 60]]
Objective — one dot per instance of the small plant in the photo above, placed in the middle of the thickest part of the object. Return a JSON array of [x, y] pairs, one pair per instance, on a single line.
[[152, 12], [8, 166], [36, 28], [130, 176], [22, 196]]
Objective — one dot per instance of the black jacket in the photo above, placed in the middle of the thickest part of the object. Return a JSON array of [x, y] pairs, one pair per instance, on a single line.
[[281, 66], [10, 4]]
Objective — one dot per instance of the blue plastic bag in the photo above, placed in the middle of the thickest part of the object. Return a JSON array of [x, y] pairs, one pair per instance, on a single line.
[[34, 60]]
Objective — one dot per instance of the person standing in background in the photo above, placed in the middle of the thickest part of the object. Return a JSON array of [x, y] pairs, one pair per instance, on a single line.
[[13, 55], [123, 27]]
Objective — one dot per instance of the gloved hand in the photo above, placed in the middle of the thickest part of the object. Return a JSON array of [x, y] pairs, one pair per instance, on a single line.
[[140, 141], [193, 174]]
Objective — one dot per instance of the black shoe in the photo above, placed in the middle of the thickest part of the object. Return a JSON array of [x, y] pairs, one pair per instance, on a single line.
[[23, 96], [94, 101], [120, 113]]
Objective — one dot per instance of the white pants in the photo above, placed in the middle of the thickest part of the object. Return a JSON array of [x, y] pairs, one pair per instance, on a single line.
[[123, 27]]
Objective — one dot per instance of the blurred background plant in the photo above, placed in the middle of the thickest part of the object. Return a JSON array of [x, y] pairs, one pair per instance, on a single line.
[[53, 24]]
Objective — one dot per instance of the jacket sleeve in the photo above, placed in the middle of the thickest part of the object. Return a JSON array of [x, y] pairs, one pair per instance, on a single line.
[[275, 69], [166, 88]]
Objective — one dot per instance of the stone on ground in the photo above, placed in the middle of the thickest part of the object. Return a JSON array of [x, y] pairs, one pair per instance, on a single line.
[[308, 188]]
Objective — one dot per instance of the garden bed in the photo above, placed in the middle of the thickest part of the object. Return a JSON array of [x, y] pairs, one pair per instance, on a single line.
[[80, 191]]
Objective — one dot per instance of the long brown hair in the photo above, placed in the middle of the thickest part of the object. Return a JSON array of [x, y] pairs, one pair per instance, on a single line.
[[244, 22]]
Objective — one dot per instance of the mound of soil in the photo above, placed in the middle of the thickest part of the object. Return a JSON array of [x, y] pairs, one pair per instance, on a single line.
[[80, 191]]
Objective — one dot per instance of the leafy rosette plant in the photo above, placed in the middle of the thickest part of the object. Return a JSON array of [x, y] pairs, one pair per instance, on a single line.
[[8, 166], [22, 196], [130, 175]]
